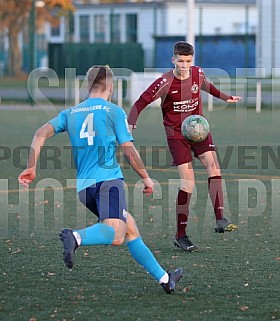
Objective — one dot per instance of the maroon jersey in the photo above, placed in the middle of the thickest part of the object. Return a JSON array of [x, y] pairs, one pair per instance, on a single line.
[[179, 99]]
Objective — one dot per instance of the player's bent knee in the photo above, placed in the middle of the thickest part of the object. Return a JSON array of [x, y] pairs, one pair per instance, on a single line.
[[119, 241], [132, 231], [131, 235]]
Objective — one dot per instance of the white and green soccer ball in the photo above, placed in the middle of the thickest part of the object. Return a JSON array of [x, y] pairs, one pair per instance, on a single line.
[[195, 128]]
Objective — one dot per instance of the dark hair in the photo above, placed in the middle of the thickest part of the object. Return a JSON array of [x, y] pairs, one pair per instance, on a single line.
[[183, 48], [98, 78]]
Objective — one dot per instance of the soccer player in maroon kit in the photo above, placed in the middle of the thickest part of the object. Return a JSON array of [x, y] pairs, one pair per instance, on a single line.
[[179, 90]]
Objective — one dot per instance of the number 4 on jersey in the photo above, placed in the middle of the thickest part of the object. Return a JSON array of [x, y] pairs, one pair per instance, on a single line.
[[87, 129]]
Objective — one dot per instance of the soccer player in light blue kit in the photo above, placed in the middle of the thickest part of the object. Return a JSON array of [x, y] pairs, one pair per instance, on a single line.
[[94, 127]]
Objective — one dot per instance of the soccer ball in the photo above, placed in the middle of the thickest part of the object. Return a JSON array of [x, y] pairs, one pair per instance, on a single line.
[[195, 128]]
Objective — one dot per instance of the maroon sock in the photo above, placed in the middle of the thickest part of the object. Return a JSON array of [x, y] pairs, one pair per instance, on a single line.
[[216, 194], [182, 212]]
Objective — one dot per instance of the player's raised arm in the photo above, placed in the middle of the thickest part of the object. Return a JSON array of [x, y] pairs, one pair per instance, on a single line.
[[39, 138], [134, 159]]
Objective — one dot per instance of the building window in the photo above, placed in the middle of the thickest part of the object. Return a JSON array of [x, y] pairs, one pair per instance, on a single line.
[[115, 28], [55, 31], [99, 28], [131, 28], [84, 28]]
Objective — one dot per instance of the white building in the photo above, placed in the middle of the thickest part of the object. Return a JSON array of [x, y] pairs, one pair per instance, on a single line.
[[268, 37], [141, 22]]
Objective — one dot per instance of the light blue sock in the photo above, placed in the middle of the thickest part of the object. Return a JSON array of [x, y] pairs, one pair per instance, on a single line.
[[141, 253], [97, 234]]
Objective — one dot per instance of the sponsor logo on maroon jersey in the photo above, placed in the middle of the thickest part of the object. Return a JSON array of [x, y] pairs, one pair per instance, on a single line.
[[194, 88], [186, 105]]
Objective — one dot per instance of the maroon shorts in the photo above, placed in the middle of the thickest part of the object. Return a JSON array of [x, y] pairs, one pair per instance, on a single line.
[[181, 150]]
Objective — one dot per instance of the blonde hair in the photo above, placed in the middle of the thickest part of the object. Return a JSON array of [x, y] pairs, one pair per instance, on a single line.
[[98, 78]]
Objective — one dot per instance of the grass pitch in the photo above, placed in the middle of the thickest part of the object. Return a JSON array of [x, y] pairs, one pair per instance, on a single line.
[[234, 276]]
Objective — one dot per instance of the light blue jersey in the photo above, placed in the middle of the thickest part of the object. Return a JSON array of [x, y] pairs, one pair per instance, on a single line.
[[94, 127]]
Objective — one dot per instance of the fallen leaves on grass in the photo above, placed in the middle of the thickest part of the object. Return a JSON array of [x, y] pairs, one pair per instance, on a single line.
[[200, 265], [51, 273], [16, 251], [187, 289], [244, 308]]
